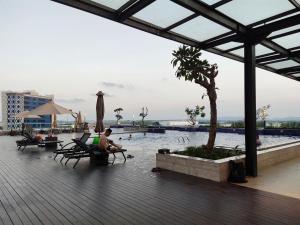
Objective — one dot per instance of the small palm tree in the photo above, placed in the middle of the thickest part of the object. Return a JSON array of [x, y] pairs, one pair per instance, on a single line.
[[143, 114], [118, 114], [262, 113], [193, 113]]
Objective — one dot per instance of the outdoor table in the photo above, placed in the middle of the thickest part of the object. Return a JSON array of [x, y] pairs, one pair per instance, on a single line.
[[51, 142]]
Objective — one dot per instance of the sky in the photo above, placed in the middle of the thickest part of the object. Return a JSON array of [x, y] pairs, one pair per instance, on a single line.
[[55, 49]]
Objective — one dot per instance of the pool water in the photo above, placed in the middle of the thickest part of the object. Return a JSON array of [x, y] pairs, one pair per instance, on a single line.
[[178, 140]]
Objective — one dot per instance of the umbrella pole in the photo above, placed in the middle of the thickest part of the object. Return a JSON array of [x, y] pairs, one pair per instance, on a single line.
[[52, 119]]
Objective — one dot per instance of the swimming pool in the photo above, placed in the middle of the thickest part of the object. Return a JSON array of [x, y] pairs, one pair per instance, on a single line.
[[178, 140]]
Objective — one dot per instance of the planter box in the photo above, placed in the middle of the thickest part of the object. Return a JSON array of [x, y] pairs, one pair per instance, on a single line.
[[218, 170]]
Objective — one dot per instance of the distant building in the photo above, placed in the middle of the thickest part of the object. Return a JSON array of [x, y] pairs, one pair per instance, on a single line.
[[16, 102]]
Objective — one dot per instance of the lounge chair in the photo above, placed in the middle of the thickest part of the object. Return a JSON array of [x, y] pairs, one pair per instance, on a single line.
[[85, 150], [29, 140], [71, 147], [26, 141]]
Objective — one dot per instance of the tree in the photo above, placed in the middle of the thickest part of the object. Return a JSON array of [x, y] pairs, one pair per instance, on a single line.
[[143, 114], [262, 113], [193, 113], [118, 114], [192, 68]]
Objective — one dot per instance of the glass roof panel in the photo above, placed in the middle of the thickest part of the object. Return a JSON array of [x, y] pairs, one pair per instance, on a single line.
[[250, 11], [114, 4], [283, 17], [239, 52], [260, 50], [229, 45], [283, 64], [163, 13], [285, 30], [209, 2], [289, 41], [200, 29]]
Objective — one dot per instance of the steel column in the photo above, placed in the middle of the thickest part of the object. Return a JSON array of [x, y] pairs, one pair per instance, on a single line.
[[250, 109]]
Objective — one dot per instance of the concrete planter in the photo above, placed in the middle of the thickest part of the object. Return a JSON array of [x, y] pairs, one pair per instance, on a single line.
[[218, 170]]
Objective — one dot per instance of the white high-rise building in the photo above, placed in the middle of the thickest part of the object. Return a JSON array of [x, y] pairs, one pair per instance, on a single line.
[[16, 102]]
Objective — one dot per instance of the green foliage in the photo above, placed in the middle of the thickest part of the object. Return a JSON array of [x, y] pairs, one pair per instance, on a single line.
[[144, 114], [191, 67], [217, 153], [262, 112], [118, 114], [118, 110], [193, 113], [238, 124], [119, 117], [290, 125]]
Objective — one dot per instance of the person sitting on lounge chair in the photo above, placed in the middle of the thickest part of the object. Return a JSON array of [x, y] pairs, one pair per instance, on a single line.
[[107, 145], [38, 137]]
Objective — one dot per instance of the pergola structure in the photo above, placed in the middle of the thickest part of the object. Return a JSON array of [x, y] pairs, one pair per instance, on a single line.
[[260, 33]]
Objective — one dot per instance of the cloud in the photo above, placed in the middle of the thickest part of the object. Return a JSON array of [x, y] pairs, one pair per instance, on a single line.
[[70, 100], [117, 85]]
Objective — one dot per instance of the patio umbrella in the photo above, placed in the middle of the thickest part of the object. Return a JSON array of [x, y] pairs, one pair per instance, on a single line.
[[99, 112], [52, 109], [25, 115]]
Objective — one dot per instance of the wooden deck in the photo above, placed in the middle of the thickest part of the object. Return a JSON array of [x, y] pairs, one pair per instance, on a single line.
[[35, 189]]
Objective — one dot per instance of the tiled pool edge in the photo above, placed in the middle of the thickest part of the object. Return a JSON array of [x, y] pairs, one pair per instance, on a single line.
[[218, 170]]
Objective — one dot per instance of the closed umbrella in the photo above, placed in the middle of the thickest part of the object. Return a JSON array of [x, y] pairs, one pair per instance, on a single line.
[[79, 119], [99, 112]]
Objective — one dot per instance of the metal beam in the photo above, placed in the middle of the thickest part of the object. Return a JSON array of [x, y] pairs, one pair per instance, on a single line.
[[289, 70], [136, 7], [250, 109], [92, 8], [211, 14], [272, 45], [215, 43], [198, 7], [235, 48], [285, 34], [126, 5], [259, 32], [277, 25], [218, 37], [222, 2], [275, 57], [181, 22], [295, 3], [269, 19]]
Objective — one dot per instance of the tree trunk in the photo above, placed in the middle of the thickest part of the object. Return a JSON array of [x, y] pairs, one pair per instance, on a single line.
[[213, 119]]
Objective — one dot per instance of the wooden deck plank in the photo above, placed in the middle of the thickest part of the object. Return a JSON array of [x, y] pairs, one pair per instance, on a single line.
[[11, 212], [35, 189]]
